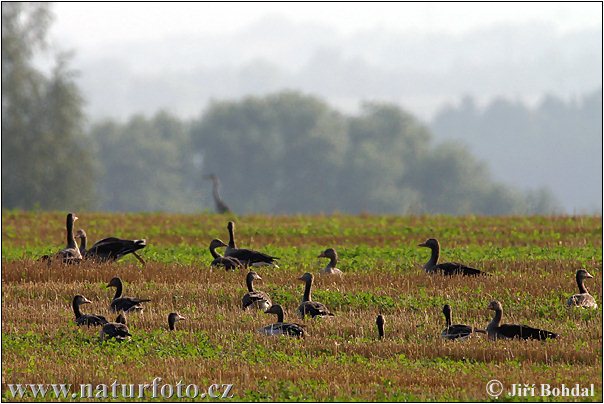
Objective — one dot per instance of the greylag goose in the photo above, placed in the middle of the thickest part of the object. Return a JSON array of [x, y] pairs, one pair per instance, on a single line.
[[229, 263], [308, 307], [583, 298], [245, 256], [85, 319], [379, 321], [172, 319], [281, 328], [330, 269], [456, 331], [254, 299], [71, 253], [221, 207], [446, 268], [123, 303], [117, 330], [81, 234], [112, 248], [496, 330]]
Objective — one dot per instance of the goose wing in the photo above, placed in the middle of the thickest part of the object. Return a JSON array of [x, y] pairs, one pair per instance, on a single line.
[[90, 320], [524, 332], [455, 268], [116, 330], [112, 248], [582, 300], [256, 299], [290, 329], [229, 263], [251, 257], [127, 304], [457, 331], [313, 309]]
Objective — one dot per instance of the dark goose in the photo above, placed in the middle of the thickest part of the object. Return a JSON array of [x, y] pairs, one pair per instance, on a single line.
[[85, 319], [330, 269], [254, 299], [446, 268], [245, 256], [456, 331], [583, 298], [308, 307], [221, 206], [496, 330], [379, 321], [123, 303], [281, 328], [117, 330], [229, 263], [172, 319], [111, 248], [71, 253]]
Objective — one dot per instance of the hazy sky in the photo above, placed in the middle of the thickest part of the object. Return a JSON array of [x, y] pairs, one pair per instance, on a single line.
[[86, 25]]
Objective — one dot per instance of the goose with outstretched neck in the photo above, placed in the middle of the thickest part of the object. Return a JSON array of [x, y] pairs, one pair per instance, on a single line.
[[254, 299], [446, 268], [221, 206], [245, 256], [583, 298], [330, 269], [85, 319], [172, 319], [124, 303], [456, 331], [496, 330], [71, 253], [379, 321], [117, 329], [308, 307], [229, 263], [280, 327]]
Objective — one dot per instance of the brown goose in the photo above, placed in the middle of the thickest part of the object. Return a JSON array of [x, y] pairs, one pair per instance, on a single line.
[[110, 248], [583, 298], [379, 321], [456, 331], [496, 330], [117, 330], [446, 268], [85, 319], [221, 206], [172, 319], [123, 303], [308, 307], [281, 328], [71, 253], [330, 269], [254, 299], [245, 256], [229, 263]]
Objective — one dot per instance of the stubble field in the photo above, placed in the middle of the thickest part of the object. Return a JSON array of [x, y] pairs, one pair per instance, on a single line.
[[532, 262]]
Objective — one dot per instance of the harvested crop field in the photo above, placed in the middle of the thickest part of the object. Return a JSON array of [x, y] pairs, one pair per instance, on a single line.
[[532, 262]]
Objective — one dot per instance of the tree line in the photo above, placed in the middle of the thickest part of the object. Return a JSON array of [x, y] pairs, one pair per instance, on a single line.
[[285, 152]]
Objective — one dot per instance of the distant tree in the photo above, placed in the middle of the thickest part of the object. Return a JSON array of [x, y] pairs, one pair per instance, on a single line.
[[45, 162]]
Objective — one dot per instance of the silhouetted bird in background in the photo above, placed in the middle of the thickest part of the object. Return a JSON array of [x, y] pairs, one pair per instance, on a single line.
[[221, 206]]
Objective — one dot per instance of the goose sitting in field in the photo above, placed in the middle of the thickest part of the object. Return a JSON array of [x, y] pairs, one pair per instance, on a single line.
[[245, 256], [71, 253], [110, 248], [308, 307], [118, 330], [446, 268], [330, 269], [229, 263], [583, 298], [123, 303], [281, 328], [379, 321], [172, 319], [496, 330], [254, 299], [85, 319], [456, 331]]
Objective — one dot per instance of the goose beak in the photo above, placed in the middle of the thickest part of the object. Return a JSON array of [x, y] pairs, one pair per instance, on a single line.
[[322, 255], [75, 218], [181, 317], [422, 245], [588, 275], [86, 301]]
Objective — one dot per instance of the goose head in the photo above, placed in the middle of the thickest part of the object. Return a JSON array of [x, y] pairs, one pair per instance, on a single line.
[[79, 299], [216, 243], [173, 318], [329, 253], [430, 243], [80, 234], [274, 309], [121, 318], [307, 277], [495, 305], [447, 310], [115, 282], [253, 276], [583, 274], [231, 225]]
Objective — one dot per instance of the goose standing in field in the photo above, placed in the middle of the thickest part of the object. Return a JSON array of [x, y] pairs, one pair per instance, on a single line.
[[583, 298], [172, 319], [245, 256], [496, 330], [221, 206], [123, 303], [446, 268], [254, 299], [229, 263], [85, 319], [379, 321], [308, 307], [330, 269], [71, 253], [111, 248], [281, 328], [456, 331], [118, 330]]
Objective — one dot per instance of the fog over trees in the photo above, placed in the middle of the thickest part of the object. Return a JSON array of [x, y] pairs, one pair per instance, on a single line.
[[297, 146]]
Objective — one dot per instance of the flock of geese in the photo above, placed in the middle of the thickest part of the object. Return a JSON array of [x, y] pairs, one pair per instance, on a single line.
[[112, 249]]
